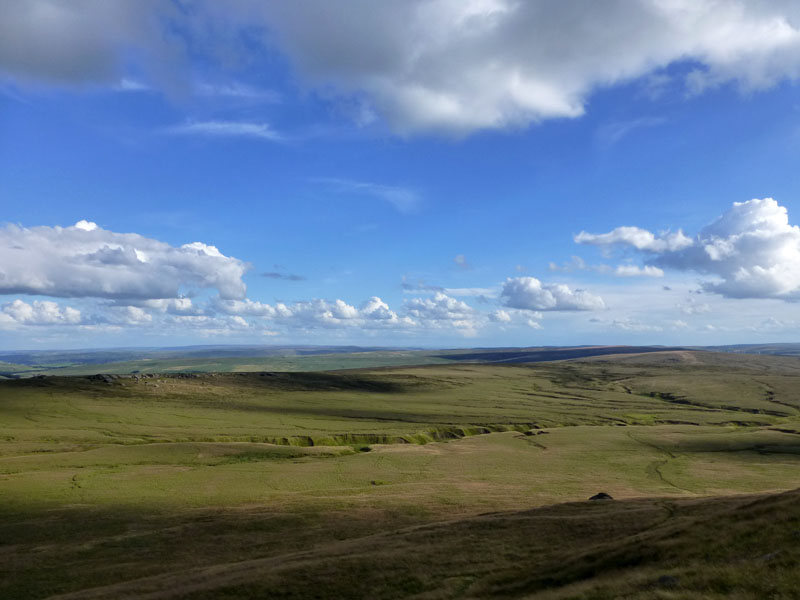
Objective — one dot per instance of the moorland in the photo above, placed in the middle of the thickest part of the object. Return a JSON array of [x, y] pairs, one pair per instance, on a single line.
[[465, 477], [231, 358]]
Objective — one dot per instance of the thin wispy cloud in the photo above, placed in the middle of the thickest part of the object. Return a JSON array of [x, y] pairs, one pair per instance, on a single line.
[[229, 91], [227, 129], [284, 276], [613, 133], [478, 292], [238, 90], [404, 200], [423, 288], [420, 287], [8, 91], [131, 85]]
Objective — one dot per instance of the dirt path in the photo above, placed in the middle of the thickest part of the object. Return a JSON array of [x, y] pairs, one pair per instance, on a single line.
[[655, 467]]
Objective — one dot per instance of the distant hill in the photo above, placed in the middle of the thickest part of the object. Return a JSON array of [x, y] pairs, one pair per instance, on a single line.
[[106, 355], [221, 358], [701, 359], [772, 349], [525, 355]]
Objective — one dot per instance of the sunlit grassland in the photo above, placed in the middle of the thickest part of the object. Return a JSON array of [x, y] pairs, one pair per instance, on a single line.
[[103, 483]]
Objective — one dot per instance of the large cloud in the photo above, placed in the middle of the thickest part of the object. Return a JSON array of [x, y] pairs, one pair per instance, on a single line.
[[87, 261], [752, 251], [86, 41], [451, 66], [458, 66], [529, 293]]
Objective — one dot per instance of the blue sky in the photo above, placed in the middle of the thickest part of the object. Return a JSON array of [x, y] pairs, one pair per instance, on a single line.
[[426, 173]]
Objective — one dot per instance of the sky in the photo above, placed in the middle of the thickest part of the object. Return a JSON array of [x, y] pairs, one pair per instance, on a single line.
[[425, 173]]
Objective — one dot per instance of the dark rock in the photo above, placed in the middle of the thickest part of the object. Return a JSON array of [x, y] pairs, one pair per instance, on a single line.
[[601, 496], [770, 556], [667, 581]]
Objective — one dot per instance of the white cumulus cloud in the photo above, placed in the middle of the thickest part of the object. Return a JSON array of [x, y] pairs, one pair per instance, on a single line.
[[440, 307], [637, 271], [39, 312], [450, 66], [500, 316], [174, 306], [693, 307], [751, 251], [641, 239], [417, 313], [531, 294], [307, 314], [128, 315], [460, 66], [88, 261]]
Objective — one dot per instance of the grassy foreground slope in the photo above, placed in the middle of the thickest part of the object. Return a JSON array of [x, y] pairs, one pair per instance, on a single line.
[[370, 483], [735, 547]]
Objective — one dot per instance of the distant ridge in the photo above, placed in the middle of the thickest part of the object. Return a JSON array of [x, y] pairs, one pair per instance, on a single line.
[[507, 355], [772, 349], [241, 358]]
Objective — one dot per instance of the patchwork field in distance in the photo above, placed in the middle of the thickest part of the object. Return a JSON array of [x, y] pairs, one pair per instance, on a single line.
[[228, 485]]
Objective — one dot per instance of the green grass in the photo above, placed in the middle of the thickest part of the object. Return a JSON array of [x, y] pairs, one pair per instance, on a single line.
[[369, 483]]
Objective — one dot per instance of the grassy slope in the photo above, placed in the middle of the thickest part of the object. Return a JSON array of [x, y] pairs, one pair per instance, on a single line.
[[736, 547], [102, 483]]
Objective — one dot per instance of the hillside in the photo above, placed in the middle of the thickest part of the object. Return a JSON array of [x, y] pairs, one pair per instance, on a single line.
[[440, 481]]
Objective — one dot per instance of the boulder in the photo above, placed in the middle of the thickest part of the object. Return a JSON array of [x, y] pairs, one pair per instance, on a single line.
[[601, 496], [667, 581]]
